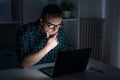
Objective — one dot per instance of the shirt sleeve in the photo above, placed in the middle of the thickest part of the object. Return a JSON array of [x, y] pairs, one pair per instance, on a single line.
[[22, 43]]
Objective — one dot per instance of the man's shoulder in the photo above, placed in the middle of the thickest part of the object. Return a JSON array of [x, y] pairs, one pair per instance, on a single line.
[[28, 27], [61, 31]]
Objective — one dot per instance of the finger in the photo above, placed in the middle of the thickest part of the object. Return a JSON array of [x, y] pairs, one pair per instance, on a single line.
[[55, 35], [47, 35]]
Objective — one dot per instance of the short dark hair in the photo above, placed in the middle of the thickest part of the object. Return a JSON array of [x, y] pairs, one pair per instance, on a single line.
[[51, 10]]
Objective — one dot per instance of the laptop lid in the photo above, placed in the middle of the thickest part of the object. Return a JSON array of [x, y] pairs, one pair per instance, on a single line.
[[70, 62]]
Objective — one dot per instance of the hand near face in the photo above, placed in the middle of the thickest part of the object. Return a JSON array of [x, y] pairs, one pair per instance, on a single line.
[[52, 40]]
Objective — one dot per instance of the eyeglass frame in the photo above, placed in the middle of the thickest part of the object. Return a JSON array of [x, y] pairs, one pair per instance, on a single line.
[[53, 26]]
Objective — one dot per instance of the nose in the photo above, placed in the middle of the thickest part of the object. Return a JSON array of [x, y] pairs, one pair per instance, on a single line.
[[55, 28]]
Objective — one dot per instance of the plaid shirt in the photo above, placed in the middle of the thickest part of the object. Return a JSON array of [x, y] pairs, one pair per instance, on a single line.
[[31, 39]]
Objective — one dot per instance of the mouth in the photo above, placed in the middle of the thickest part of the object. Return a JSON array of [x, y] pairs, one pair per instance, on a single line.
[[53, 32], [51, 35]]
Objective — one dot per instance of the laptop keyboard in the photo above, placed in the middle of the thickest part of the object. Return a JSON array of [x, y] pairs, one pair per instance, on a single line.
[[48, 69]]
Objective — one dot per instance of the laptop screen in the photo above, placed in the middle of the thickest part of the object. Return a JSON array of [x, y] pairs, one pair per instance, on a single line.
[[71, 62]]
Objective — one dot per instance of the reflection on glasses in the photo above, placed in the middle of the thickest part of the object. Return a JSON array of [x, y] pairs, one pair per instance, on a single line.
[[53, 26]]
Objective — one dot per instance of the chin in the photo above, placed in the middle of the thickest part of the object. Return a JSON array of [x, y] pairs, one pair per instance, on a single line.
[[52, 33]]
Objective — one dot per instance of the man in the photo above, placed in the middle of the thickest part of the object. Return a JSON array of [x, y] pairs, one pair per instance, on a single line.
[[39, 42]]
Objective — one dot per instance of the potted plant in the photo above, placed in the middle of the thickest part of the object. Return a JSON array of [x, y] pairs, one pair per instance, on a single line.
[[67, 6]]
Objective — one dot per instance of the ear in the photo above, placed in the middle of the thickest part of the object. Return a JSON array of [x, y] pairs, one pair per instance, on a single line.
[[41, 22], [41, 19]]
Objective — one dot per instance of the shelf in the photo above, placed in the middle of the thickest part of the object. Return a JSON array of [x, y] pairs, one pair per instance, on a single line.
[[11, 22], [70, 19]]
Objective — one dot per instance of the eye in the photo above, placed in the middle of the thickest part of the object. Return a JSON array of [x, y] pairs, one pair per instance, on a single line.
[[48, 24], [51, 26]]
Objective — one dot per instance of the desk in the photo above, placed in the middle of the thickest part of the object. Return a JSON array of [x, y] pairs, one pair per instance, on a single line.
[[104, 72]]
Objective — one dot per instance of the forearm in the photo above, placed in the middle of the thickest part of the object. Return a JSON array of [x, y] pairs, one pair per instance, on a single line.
[[33, 58]]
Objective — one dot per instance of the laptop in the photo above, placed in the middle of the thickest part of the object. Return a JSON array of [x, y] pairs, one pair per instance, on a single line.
[[68, 62]]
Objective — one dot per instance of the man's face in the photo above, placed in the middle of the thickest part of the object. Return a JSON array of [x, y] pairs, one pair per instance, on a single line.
[[51, 25]]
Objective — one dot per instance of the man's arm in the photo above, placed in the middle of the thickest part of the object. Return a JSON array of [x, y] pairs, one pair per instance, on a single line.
[[32, 58]]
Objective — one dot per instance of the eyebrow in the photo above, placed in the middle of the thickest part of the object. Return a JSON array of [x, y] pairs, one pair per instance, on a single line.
[[53, 24]]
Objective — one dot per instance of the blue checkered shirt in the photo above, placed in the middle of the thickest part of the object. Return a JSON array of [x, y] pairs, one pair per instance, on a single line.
[[31, 39]]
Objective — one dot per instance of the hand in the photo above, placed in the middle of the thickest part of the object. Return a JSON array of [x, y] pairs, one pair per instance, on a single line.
[[52, 41]]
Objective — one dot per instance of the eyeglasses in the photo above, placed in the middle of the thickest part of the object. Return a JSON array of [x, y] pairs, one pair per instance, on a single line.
[[53, 26]]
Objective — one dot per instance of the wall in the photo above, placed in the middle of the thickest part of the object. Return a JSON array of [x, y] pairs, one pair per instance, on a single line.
[[90, 8], [32, 9], [5, 10], [111, 38]]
